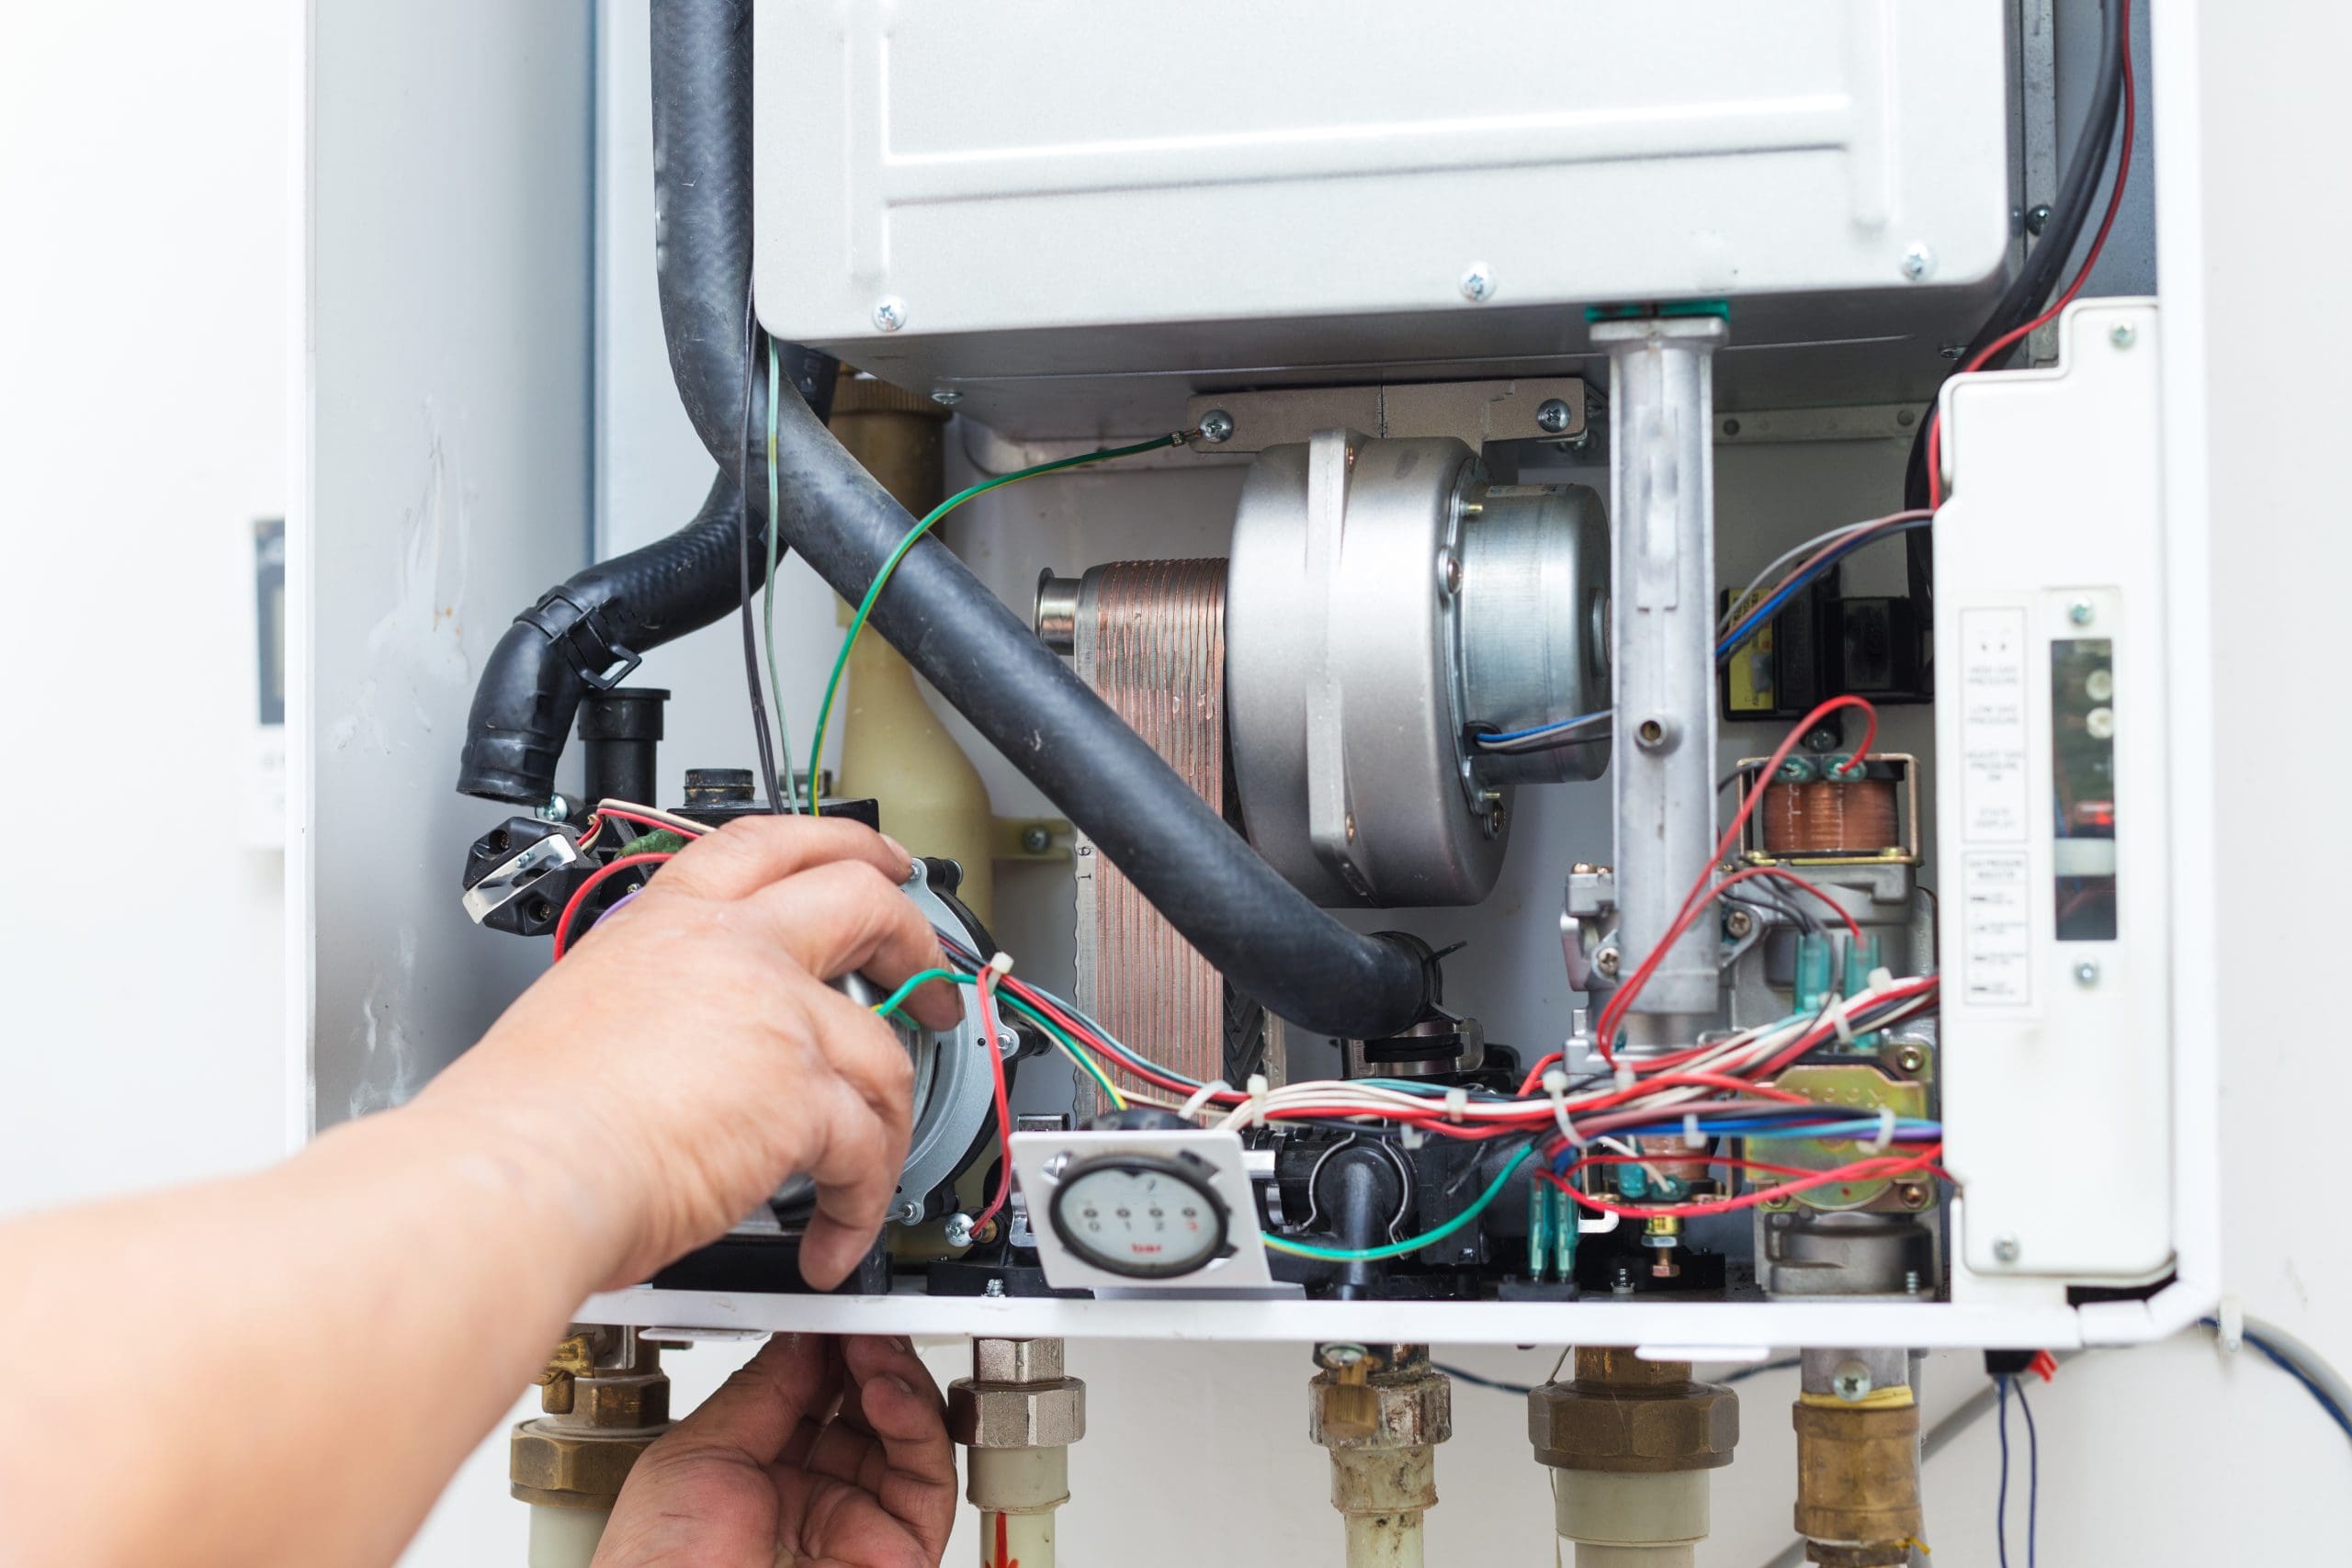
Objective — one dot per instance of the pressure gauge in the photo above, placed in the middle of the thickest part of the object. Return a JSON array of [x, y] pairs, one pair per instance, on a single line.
[[1141, 1216]]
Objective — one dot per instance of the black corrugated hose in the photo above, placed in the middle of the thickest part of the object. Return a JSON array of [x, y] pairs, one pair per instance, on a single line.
[[1271, 941]]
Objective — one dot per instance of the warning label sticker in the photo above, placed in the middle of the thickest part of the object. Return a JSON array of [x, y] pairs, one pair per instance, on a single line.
[[1992, 726], [1996, 928]]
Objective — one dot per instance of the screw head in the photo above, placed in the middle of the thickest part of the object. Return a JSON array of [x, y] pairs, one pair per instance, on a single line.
[[1449, 571], [2123, 335], [2080, 612], [554, 808], [2086, 973], [1606, 961], [1738, 923], [1007, 1042], [1554, 415], [959, 1230], [1339, 1358], [1478, 283], [1850, 1381], [1918, 261], [946, 396], [2037, 217], [1910, 1058], [889, 313], [1653, 734], [2005, 1249], [1217, 426], [907, 1211], [1036, 839], [1913, 1194]]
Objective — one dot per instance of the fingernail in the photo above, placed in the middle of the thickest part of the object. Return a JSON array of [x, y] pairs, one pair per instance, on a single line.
[[901, 1385], [897, 849], [903, 1343]]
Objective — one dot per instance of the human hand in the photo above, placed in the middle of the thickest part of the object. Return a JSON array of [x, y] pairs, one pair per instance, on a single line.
[[687, 1056], [819, 1453]]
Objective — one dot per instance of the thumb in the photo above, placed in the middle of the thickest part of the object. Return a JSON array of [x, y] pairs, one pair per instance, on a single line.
[[757, 1410]]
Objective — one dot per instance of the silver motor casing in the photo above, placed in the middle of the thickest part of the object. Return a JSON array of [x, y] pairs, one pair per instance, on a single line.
[[1381, 597], [954, 1090]]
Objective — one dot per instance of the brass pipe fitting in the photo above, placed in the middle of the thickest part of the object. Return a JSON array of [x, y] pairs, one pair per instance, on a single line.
[[1630, 1443], [1381, 1410], [606, 1400], [1857, 1421]]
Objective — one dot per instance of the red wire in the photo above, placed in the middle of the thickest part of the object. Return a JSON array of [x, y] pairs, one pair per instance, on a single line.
[[1862, 1170], [2099, 243], [572, 908], [989, 978], [1696, 899]]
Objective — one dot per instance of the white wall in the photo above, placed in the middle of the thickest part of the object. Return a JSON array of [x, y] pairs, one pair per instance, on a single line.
[[146, 170], [143, 406]]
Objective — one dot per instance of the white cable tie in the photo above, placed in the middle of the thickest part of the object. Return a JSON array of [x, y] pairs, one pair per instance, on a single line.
[[1555, 1084], [1885, 1130], [1691, 1137], [1457, 1100], [1881, 978], [1254, 1107], [1836, 1011], [1202, 1095], [1002, 963], [1626, 1079], [2229, 1320]]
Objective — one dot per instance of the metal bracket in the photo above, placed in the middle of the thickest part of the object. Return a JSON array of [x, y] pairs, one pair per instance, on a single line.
[[1474, 413], [1331, 811], [510, 880]]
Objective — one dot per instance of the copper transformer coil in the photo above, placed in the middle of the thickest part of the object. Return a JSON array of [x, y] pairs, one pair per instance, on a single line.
[[1830, 817]]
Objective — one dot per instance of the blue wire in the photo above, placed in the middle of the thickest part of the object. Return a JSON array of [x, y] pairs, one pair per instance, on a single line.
[[1546, 728], [1756, 622], [2001, 1506], [2032, 1478], [2272, 1354], [1764, 612]]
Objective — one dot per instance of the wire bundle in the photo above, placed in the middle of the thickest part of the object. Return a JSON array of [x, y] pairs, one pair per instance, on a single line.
[[1821, 555]]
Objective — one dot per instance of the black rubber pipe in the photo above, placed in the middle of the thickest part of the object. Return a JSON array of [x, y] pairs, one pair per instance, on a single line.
[[586, 631], [1269, 941]]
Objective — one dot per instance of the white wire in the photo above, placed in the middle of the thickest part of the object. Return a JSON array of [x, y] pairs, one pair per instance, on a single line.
[[1738, 603], [690, 828]]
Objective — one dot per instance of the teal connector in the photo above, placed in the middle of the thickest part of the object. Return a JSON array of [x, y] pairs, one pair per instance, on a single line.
[[1632, 1183], [1541, 1202], [1859, 961], [1564, 1231], [1814, 967]]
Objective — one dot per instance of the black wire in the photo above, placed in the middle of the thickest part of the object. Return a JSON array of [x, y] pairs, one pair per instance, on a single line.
[[2001, 1504], [743, 569], [1476, 1380], [2033, 1477], [2029, 292], [1463, 1375]]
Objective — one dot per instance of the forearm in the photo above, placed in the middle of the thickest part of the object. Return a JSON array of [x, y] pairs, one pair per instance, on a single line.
[[171, 1354]]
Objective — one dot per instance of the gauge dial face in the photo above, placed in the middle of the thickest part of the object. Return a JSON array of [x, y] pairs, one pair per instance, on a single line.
[[1139, 1215]]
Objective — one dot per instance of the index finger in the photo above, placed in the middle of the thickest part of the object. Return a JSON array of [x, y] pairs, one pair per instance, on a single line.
[[842, 917], [751, 852]]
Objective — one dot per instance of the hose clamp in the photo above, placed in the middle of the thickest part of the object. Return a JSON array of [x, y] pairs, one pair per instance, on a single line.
[[600, 657]]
